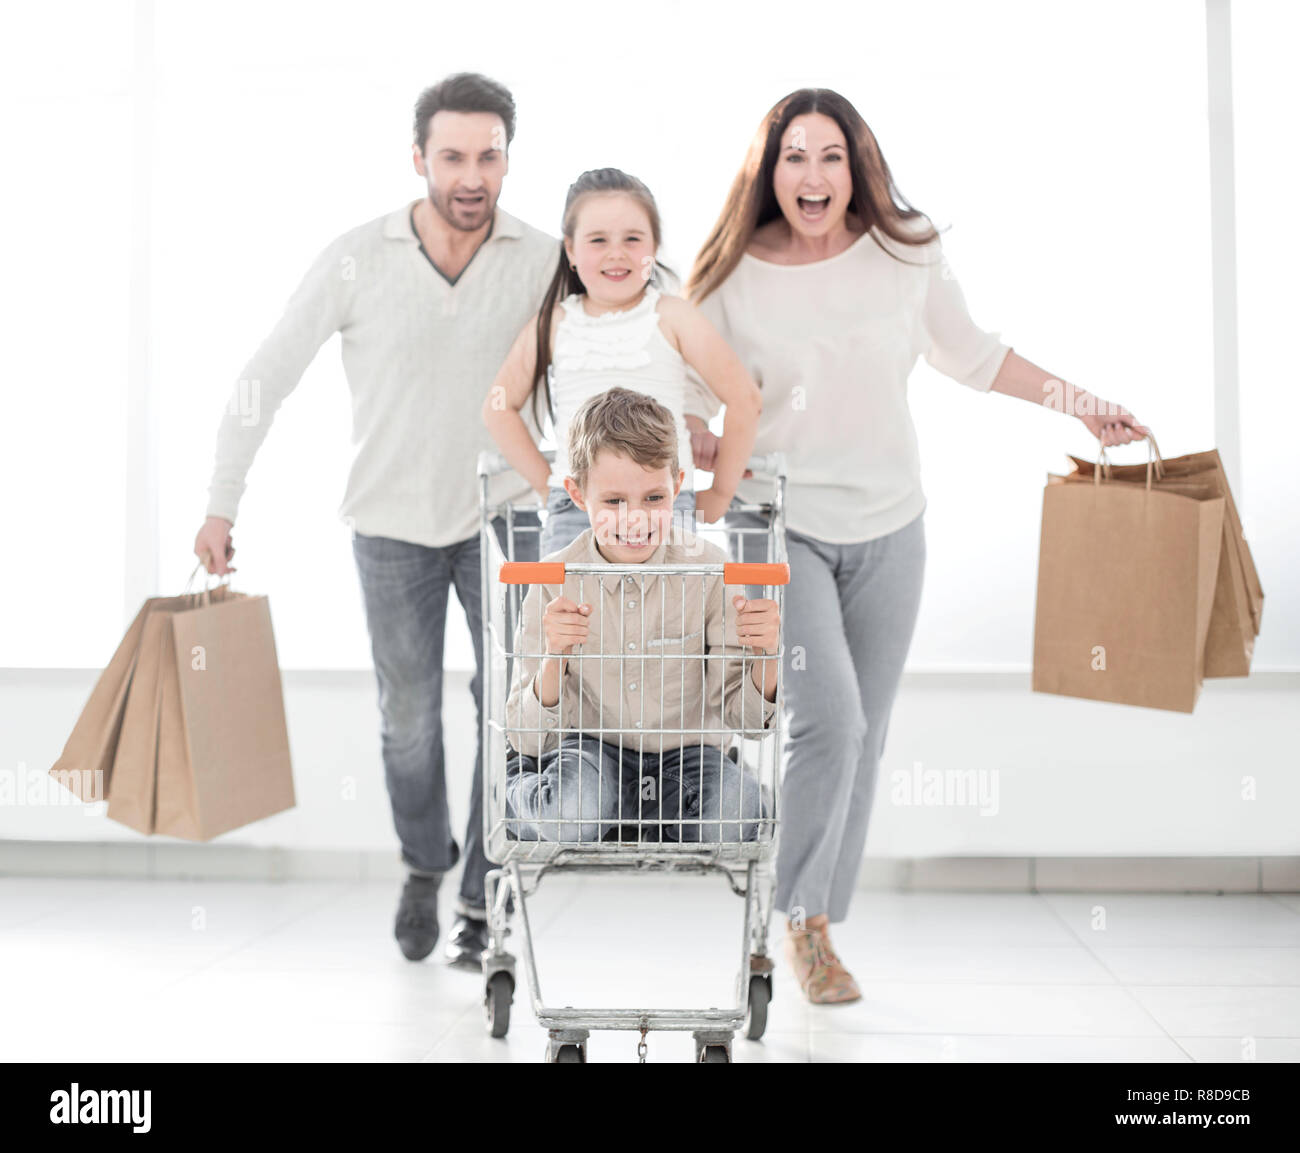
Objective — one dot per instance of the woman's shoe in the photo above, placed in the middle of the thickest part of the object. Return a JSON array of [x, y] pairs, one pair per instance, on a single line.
[[820, 973]]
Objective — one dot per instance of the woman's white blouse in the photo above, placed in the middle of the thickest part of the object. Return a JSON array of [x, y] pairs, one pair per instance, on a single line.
[[831, 345]]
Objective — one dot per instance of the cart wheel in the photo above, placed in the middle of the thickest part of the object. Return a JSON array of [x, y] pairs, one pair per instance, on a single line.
[[715, 1055], [760, 996], [496, 1003], [570, 1055]]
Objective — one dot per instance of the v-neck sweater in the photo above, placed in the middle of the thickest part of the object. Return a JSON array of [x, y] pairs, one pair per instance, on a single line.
[[419, 353]]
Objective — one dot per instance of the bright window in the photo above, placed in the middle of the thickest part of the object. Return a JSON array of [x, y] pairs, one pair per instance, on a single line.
[[1266, 94], [1070, 160], [65, 240]]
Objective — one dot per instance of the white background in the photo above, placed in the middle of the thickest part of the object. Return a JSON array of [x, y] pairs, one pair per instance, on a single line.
[[1065, 144]]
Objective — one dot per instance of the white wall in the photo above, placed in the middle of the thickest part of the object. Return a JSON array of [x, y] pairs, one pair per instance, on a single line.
[[1071, 162], [1079, 212], [1073, 778]]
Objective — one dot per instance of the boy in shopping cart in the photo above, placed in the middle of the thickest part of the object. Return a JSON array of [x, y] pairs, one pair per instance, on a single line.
[[629, 688]]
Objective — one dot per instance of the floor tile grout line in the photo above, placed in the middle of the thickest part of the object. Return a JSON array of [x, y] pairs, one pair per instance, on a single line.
[[1274, 899], [869, 982], [579, 888], [338, 889], [75, 902], [1136, 1038], [1096, 897], [450, 1030], [1199, 945], [1027, 1036], [225, 956], [1128, 992]]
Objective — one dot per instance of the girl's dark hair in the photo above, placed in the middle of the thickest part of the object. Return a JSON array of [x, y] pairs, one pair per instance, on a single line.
[[566, 281], [876, 201]]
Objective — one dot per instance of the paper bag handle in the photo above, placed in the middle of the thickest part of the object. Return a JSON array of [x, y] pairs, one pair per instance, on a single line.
[[1154, 460], [206, 591]]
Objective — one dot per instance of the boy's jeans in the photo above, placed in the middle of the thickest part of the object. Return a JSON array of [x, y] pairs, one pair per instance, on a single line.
[[698, 793], [405, 587]]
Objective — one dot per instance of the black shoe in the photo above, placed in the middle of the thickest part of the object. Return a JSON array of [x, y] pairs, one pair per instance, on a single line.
[[416, 928], [468, 940]]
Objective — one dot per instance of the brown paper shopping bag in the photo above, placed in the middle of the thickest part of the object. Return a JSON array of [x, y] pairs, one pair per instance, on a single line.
[[1201, 465], [135, 761], [133, 775], [1126, 582], [1198, 465], [1230, 641], [86, 764], [223, 745], [1238, 599]]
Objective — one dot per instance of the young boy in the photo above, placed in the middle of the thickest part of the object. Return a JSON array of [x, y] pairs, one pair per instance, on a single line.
[[628, 688]]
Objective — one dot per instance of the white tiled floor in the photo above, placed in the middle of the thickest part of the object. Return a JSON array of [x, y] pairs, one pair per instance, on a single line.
[[122, 970]]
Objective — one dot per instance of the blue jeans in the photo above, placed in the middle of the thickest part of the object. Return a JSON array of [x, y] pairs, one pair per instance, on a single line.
[[565, 521], [584, 791], [405, 587]]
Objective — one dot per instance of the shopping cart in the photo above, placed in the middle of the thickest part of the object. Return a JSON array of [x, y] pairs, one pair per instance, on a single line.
[[741, 846]]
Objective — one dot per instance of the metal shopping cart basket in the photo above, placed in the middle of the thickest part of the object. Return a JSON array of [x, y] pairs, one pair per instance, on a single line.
[[739, 846]]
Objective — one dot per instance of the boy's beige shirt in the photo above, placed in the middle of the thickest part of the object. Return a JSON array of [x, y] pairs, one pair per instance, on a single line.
[[643, 677]]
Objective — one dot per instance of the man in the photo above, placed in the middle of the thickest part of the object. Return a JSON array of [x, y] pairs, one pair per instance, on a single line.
[[428, 299]]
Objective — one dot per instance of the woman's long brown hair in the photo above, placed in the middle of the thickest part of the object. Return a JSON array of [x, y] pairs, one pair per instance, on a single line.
[[751, 203], [566, 281]]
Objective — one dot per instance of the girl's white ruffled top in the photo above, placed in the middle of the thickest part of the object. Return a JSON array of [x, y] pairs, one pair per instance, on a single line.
[[624, 349]]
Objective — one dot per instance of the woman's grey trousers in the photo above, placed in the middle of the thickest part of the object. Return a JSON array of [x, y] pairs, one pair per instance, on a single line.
[[850, 610]]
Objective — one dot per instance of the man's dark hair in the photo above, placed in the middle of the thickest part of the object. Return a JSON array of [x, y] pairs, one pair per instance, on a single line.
[[464, 92]]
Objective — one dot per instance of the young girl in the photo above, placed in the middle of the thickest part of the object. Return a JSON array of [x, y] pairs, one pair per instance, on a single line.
[[614, 327]]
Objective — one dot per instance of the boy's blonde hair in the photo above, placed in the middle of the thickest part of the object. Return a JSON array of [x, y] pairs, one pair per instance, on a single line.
[[626, 422]]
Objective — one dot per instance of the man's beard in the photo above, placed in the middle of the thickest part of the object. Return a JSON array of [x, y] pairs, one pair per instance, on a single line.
[[444, 207]]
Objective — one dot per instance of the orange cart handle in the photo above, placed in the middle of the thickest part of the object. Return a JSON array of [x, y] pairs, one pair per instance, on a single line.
[[756, 574], [522, 572], [517, 572]]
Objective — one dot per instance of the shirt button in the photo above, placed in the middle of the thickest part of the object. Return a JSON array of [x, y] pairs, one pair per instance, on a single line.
[[632, 646], [632, 687], [638, 724], [631, 604]]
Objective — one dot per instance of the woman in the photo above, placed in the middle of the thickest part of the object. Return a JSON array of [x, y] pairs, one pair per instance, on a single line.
[[829, 284]]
